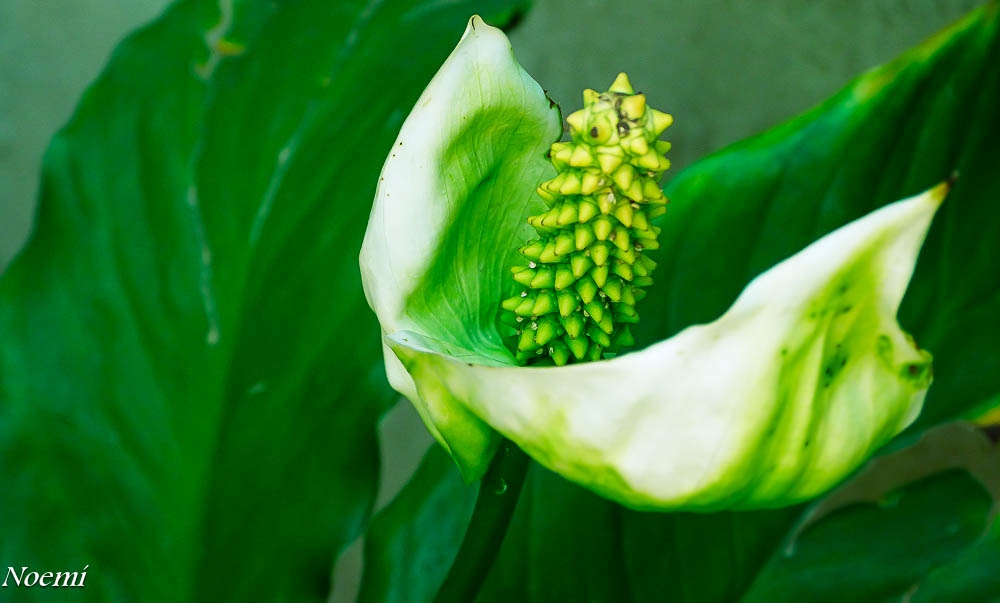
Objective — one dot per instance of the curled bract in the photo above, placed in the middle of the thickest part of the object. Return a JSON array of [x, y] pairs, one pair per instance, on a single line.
[[774, 402]]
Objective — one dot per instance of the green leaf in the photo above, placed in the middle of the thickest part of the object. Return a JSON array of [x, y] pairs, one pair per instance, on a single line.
[[892, 132], [189, 377], [913, 520], [411, 543], [924, 524], [579, 537], [567, 544], [970, 578]]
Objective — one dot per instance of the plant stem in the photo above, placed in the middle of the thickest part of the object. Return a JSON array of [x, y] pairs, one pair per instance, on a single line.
[[498, 495]]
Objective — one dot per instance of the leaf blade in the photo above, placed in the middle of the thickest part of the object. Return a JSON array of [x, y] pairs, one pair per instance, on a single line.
[[212, 401]]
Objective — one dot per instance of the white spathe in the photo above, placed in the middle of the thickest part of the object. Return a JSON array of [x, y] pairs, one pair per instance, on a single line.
[[417, 199], [800, 381]]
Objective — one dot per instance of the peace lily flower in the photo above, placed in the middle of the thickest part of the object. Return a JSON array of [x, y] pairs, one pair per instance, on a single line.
[[774, 402]]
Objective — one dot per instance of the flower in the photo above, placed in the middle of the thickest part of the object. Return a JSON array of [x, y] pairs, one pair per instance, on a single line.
[[790, 390]]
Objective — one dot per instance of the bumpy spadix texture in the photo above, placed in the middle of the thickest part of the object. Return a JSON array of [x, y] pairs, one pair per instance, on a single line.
[[585, 271], [777, 400]]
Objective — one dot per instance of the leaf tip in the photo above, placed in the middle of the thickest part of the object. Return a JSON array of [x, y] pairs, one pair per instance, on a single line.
[[936, 195], [477, 26]]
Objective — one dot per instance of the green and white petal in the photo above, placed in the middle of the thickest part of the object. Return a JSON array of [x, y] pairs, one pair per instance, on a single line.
[[449, 213], [776, 401]]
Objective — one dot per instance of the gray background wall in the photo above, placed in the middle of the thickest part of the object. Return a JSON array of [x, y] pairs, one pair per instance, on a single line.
[[725, 68]]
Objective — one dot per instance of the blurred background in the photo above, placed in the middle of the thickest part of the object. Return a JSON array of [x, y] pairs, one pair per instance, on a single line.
[[725, 69]]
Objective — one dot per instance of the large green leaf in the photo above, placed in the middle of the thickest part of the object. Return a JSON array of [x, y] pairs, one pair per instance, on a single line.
[[891, 133], [931, 523], [971, 577], [913, 525], [189, 377], [411, 545]]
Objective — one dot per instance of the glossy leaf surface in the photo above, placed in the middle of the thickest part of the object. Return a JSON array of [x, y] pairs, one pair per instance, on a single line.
[[189, 375]]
